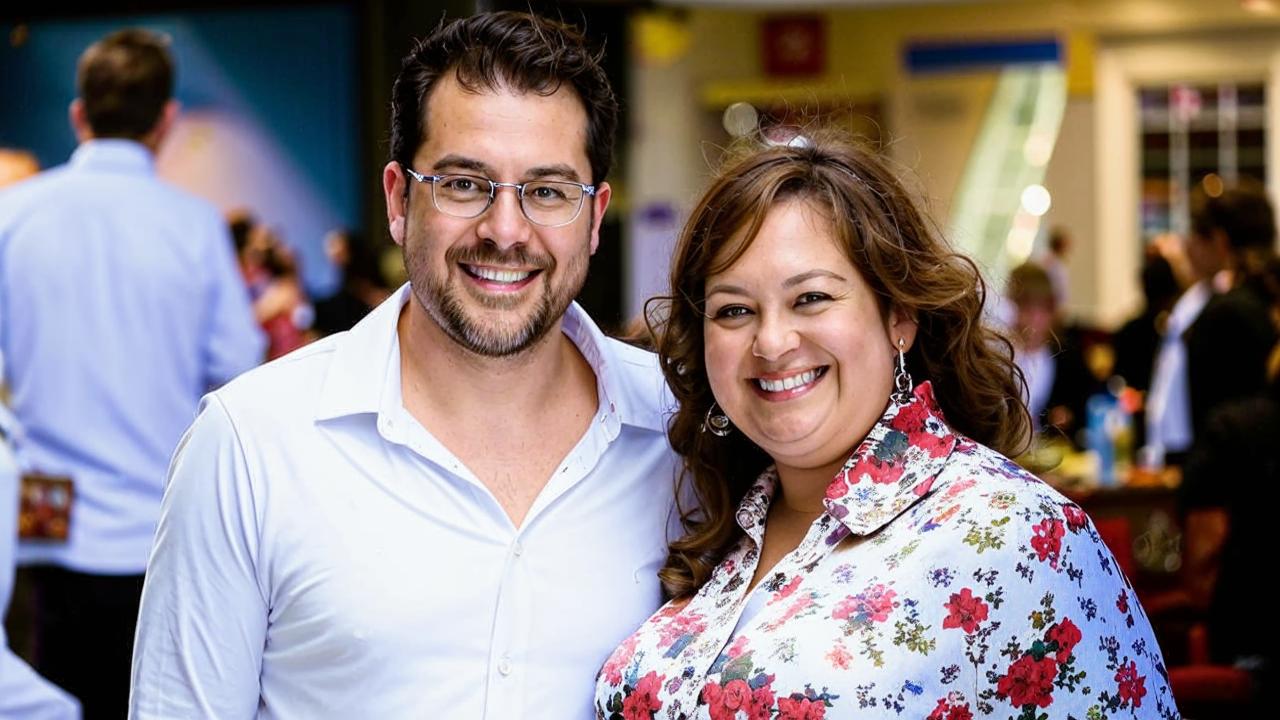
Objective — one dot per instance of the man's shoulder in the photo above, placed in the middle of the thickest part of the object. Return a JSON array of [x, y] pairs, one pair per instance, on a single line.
[[61, 191], [283, 391], [27, 193]]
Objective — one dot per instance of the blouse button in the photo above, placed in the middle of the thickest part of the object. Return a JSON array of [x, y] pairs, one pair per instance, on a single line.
[[504, 665]]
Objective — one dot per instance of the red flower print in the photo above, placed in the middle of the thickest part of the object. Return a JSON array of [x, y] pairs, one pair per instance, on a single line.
[[643, 702], [1076, 519], [966, 611], [910, 419], [958, 487], [801, 708], [761, 702], [1132, 686], [1067, 635], [737, 695], [684, 624], [839, 656], [839, 487], [881, 472], [787, 589], [738, 647], [1029, 682], [873, 605], [947, 711], [1048, 541], [799, 605], [1122, 602], [621, 657], [713, 696]]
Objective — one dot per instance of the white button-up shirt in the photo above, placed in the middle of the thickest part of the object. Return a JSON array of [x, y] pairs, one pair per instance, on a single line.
[[1169, 402], [321, 555]]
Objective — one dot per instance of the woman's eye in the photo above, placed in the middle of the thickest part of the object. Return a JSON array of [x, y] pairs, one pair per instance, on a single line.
[[812, 297], [731, 311]]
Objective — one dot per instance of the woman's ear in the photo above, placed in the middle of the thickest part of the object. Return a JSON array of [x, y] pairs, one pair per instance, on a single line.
[[901, 325]]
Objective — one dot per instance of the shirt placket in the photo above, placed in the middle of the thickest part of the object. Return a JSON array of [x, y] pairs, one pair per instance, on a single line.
[[812, 548]]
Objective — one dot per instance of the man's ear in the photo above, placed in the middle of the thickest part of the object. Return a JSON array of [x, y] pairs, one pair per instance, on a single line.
[[393, 187]]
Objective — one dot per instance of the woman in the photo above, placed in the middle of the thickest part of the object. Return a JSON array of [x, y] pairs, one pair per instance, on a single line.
[[856, 554]]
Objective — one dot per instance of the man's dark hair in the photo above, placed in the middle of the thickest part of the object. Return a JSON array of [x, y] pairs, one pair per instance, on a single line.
[[515, 50], [124, 80], [1242, 212]]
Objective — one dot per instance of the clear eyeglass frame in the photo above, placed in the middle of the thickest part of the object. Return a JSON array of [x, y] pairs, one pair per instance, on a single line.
[[552, 214]]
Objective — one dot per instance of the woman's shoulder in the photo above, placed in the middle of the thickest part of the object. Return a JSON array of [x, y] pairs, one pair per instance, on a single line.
[[986, 510]]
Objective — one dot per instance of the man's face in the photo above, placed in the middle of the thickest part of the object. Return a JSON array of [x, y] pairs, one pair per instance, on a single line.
[[1204, 255], [496, 283]]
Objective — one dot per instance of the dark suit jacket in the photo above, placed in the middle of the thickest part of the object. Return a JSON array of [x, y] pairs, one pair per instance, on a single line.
[[1227, 350]]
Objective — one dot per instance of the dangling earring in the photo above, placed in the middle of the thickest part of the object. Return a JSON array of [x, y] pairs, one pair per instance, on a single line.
[[716, 422], [902, 382]]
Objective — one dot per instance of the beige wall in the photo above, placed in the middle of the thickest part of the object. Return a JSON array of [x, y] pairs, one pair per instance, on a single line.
[[932, 121]]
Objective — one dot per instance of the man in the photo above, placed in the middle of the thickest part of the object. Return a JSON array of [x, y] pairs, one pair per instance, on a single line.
[[1058, 382], [120, 305], [457, 508]]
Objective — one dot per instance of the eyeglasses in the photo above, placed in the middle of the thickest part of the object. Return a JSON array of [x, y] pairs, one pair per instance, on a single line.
[[550, 203]]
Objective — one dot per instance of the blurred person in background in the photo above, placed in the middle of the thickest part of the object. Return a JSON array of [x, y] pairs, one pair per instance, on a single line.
[[360, 288], [270, 271], [23, 693], [1138, 340], [1054, 262], [1058, 382], [1235, 461], [1232, 238], [120, 306], [1169, 430]]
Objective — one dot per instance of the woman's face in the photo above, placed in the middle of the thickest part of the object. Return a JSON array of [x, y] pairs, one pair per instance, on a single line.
[[798, 353]]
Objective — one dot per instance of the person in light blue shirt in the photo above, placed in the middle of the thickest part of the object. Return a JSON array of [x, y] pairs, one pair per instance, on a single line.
[[120, 305]]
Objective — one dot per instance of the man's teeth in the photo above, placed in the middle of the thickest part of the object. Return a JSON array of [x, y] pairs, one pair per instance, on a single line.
[[789, 383], [502, 276]]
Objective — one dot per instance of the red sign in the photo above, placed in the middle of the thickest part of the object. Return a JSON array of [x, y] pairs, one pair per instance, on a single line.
[[794, 45]]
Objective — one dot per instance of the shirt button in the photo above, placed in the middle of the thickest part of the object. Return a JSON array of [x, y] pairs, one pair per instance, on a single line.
[[517, 549], [504, 665]]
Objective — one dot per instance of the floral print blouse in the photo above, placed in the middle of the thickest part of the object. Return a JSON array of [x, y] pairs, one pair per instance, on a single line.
[[943, 582]]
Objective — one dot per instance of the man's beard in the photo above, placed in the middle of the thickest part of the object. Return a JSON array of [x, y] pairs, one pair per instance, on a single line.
[[446, 304]]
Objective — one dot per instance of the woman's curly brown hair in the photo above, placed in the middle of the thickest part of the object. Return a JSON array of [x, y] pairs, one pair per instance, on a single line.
[[900, 254]]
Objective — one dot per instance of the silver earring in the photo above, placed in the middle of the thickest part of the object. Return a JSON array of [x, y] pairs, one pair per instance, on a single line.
[[902, 383], [716, 422]]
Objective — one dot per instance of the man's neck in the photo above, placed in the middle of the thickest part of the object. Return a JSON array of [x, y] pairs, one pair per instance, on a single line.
[[151, 141], [440, 378]]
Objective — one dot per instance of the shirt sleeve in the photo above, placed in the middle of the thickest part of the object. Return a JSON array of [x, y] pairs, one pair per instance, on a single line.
[[234, 342], [1076, 640], [203, 619]]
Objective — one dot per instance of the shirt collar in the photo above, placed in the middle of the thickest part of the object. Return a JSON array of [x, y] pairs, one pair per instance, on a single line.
[[891, 469], [114, 154], [365, 370]]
